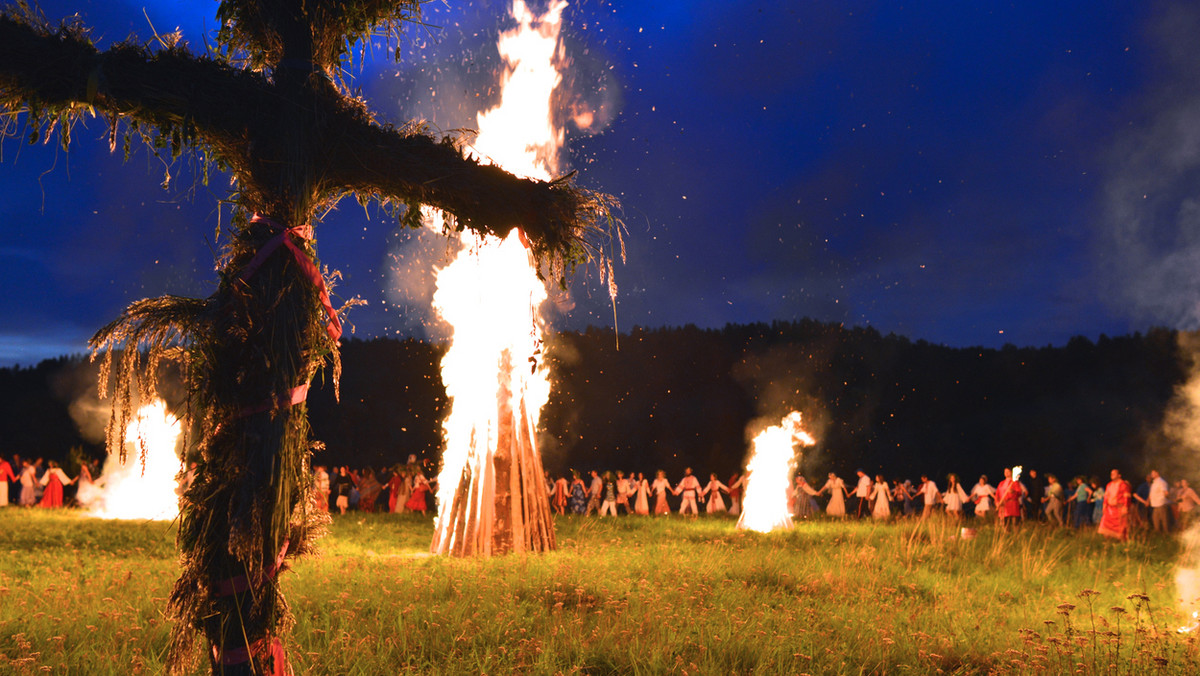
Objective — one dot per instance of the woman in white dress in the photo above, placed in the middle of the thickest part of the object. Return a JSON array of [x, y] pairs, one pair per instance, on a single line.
[[984, 497], [837, 496], [880, 494], [954, 497], [716, 503]]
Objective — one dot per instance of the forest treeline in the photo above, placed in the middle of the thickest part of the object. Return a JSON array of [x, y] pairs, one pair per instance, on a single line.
[[674, 397]]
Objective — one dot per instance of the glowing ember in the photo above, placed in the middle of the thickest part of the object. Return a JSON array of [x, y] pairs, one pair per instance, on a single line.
[[491, 296], [124, 490], [769, 475]]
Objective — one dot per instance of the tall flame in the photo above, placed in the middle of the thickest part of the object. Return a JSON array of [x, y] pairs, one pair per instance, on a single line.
[[769, 475], [491, 295], [127, 491]]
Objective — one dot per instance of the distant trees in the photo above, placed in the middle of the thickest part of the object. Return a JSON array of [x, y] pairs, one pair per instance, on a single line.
[[672, 397]]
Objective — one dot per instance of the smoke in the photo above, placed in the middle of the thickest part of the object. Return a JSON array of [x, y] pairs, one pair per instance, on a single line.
[[413, 260], [1151, 216], [780, 382], [1151, 194]]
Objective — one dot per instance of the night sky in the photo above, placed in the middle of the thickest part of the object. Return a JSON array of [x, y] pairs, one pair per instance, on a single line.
[[964, 173]]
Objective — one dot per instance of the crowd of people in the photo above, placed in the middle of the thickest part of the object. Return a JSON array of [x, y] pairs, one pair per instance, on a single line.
[[1113, 508], [38, 482], [401, 488]]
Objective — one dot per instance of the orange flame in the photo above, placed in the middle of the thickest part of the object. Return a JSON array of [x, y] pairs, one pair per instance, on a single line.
[[126, 490], [490, 294], [769, 475]]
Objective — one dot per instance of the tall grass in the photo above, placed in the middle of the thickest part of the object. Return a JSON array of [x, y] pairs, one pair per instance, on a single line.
[[626, 595]]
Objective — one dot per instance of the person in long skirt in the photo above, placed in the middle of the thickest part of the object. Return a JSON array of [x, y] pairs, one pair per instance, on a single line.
[[660, 488], [837, 496], [879, 499], [398, 490], [737, 484], [28, 481], [804, 504], [983, 495], [954, 497], [54, 480], [558, 498], [416, 501], [6, 475], [712, 491], [1115, 523], [579, 497], [641, 504]]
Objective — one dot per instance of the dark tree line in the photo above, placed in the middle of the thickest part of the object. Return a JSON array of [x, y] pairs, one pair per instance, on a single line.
[[674, 397]]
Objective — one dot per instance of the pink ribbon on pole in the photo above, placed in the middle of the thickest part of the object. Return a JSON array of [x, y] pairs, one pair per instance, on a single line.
[[307, 267]]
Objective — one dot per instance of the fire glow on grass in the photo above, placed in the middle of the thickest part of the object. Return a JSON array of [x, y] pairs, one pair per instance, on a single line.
[[124, 490], [491, 297], [769, 475]]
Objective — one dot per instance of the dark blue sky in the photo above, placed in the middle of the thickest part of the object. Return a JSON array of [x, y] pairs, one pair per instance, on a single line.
[[965, 173]]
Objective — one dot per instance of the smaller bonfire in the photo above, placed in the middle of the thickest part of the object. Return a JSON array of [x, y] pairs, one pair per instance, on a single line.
[[769, 475]]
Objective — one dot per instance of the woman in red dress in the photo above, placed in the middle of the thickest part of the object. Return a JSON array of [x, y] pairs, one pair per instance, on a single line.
[[416, 502], [54, 479], [1115, 522]]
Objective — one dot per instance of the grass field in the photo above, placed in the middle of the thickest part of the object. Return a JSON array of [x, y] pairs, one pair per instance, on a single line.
[[626, 595]]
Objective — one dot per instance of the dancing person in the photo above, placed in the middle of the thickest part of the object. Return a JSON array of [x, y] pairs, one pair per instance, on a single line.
[[1054, 500], [879, 499], [1079, 510], [837, 496], [28, 480], [689, 486], [594, 490], [609, 502], [929, 491], [982, 496], [6, 475], [954, 497], [1159, 502], [624, 490], [400, 490], [805, 500], [416, 501], [1188, 500], [1009, 495], [712, 494], [902, 495], [641, 504], [1115, 522], [558, 498], [578, 498], [1033, 499], [1096, 500], [54, 480], [369, 489], [862, 493], [737, 484], [660, 488]]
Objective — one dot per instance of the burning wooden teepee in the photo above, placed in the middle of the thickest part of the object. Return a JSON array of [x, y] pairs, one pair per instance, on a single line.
[[266, 106], [500, 504]]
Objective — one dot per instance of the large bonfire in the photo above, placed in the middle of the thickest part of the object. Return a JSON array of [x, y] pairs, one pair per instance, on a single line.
[[491, 492]]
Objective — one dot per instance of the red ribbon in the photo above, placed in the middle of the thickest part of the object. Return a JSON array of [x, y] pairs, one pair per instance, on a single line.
[[240, 583], [241, 655], [307, 267]]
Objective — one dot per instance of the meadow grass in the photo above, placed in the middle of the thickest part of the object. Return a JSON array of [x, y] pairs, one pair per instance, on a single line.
[[629, 595]]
